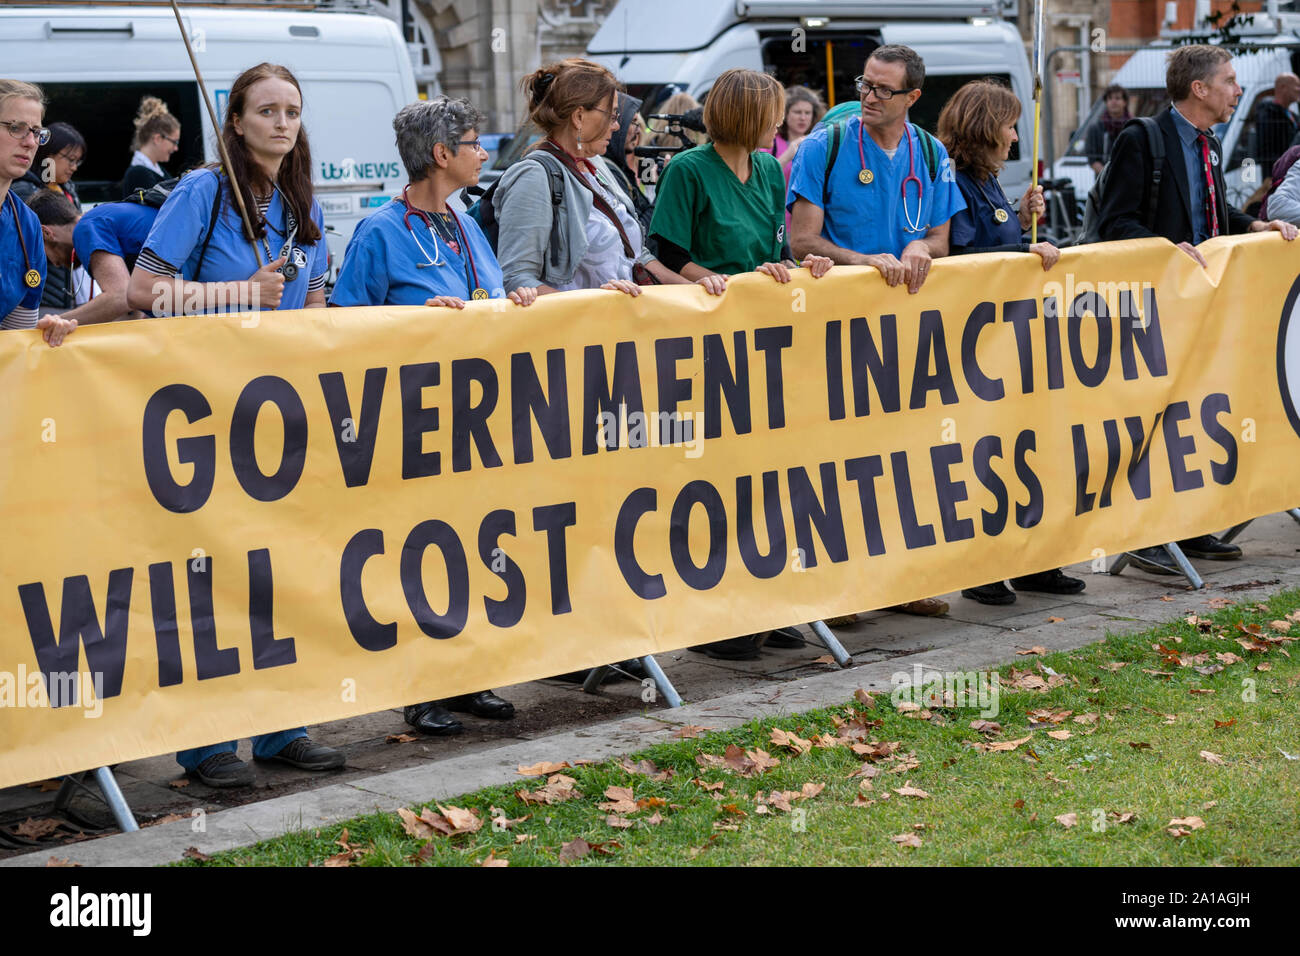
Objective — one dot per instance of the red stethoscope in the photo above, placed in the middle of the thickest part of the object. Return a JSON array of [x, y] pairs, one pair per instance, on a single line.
[[866, 176], [471, 270]]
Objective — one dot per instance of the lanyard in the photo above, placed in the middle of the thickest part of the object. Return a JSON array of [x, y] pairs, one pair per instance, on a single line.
[[30, 276], [290, 267], [1000, 214], [471, 269], [865, 177]]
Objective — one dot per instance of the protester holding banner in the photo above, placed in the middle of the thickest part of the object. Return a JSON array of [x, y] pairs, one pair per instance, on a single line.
[[417, 250], [719, 208], [199, 236], [107, 239], [22, 250], [1190, 206], [64, 284], [591, 239], [876, 190]]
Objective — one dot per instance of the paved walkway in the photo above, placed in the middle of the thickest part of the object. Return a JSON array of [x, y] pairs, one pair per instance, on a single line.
[[557, 721]]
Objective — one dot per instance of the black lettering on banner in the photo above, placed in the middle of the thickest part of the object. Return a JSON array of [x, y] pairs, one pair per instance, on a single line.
[[243, 434], [549, 409], [1139, 465], [932, 349], [834, 371], [507, 611], [771, 341], [1083, 498], [78, 626], [989, 389], [864, 472], [469, 422], [604, 399], [706, 576], [986, 449], [1089, 303], [1216, 404], [1145, 335], [268, 650], [443, 536], [877, 365], [771, 564], [673, 389], [722, 381], [1179, 446], [1111, 428], [209, 660], [1020, 312], [356, 456], [200, 451], [950, 493], [1031, 512], [915, 535], [162, 599], [369, 633], [638, 503], [553, 519], [808, 512], [1052, 343], [417, 420]]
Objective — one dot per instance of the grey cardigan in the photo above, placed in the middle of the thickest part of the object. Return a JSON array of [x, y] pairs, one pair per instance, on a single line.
[[523, 207]]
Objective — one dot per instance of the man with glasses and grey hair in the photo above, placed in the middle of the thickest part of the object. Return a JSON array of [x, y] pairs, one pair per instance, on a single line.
[[876, 190], [417, 250]]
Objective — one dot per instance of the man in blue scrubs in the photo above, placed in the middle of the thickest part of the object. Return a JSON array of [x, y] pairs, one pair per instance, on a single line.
[[107, 240], [891, 190]]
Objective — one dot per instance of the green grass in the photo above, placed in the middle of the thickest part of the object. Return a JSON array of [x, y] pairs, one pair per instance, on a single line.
[[972, 815]]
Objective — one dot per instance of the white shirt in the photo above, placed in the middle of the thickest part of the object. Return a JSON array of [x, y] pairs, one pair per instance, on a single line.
[[140, 159], [605, 259]]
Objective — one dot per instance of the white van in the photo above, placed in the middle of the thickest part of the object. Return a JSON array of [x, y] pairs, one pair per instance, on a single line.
[[96, 62], [1143, 75], [669, 45]]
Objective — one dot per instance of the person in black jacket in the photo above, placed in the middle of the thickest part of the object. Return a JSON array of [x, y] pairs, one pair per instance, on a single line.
[[1274, 125], [157, 137], [1192, 204]]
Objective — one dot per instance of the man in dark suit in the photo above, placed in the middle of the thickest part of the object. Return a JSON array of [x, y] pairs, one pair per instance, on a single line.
[[1192, 205]]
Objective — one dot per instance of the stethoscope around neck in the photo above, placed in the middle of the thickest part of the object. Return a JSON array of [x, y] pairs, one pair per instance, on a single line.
[[31, 277], [866, 177], [436, 260]]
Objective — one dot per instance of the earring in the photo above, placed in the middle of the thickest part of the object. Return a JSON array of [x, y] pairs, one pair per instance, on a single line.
[[580, 142]]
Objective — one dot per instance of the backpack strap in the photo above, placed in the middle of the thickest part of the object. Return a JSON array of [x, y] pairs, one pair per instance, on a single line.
[[555, 178], [836, 135], [929, 149], [212, 225], [1156, 142]]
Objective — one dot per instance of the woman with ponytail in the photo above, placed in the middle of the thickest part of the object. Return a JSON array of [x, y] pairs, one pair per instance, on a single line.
[[198, 257], [157, 137]]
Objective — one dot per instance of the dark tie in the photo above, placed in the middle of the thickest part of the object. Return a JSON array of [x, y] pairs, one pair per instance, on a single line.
[[1211, 206]]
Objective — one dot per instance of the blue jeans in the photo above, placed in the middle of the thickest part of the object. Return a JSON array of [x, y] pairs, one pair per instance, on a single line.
[[266, 745]]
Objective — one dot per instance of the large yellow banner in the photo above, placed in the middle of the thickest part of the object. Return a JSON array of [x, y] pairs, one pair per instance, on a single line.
[[234, 525]]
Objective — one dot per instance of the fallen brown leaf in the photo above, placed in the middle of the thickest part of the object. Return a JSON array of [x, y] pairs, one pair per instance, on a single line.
[[1224, 724], [179, 784], [1211, 757], [194, 853], [1055, 620], [864, 698], [37, 829], [1059, 734], [907, 790], [1067, 820], [781, 738], [493, 860], [58, 861], [986, 726], [400, 739], [690, 731], [574, 850], [621, 823], [1036, 649], [907, 839], [541, 769]]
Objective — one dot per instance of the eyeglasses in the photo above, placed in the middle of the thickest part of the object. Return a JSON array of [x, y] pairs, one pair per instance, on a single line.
[[175, 142], [19, 132], [476, 143], [74, 163], [862, 86]]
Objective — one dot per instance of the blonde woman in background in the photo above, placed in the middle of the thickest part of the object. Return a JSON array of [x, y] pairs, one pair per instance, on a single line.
[[157, 137], [675, 105]]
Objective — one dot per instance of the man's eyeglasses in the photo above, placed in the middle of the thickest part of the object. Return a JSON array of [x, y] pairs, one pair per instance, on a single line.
[[863, 87], [19, 132]]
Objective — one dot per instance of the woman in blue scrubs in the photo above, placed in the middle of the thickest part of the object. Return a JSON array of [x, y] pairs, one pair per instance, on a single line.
[[22, 247], [198, 235], [417, 250], [197, 258], [978, 126]]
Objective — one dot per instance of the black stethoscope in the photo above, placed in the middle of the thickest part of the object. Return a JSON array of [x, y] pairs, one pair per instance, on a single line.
[[866, 176], [471, 270], [30, 276]]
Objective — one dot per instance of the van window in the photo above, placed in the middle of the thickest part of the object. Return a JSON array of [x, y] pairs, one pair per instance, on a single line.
[[102, 113], [939, 89], [807, 66]]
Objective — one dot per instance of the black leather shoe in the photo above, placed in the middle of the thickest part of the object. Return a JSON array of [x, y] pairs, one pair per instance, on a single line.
[[784, 637], [735, 649], [1049, 582], [483, 704], [224, 770], [995, 593], [302, 753], [1155, 560], [432, 718], [1209, 548]]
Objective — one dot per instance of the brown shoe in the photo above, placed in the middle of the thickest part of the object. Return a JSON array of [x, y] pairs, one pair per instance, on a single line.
[[926, 607]]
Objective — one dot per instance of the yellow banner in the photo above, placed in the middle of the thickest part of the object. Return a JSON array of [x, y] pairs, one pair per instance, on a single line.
[[235, 525]]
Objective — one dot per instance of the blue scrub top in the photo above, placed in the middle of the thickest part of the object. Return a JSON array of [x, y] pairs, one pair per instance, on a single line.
[[975, 226], [388, 264], [870, 219], [118, 228], [177, 237], [14, 291]]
